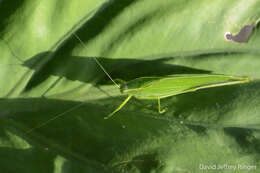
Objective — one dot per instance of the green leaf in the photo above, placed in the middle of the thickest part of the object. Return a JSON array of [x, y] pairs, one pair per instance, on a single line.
[[54, 96]]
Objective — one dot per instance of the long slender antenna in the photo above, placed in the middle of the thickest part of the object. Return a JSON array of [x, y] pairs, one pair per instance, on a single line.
[[77, 106], [55, 117], [99, 64]]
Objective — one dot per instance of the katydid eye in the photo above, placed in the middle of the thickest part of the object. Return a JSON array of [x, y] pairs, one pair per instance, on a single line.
[[123, 87]]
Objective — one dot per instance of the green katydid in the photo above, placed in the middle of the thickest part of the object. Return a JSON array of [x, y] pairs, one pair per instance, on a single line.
[[160, 87]]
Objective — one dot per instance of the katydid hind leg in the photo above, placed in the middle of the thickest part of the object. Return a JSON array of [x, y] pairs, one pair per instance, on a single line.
[[119, 107], [159, 107]]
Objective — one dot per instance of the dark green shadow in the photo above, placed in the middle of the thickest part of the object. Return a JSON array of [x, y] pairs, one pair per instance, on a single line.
[[86, 70]]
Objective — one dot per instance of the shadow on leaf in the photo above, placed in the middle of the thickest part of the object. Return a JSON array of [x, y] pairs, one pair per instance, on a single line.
[[86, 70]]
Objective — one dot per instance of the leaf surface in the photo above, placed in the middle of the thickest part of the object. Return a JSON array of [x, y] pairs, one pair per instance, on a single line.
[[54, 96]]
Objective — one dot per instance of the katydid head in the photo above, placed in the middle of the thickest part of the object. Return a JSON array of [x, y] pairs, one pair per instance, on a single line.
[[123, 88]]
